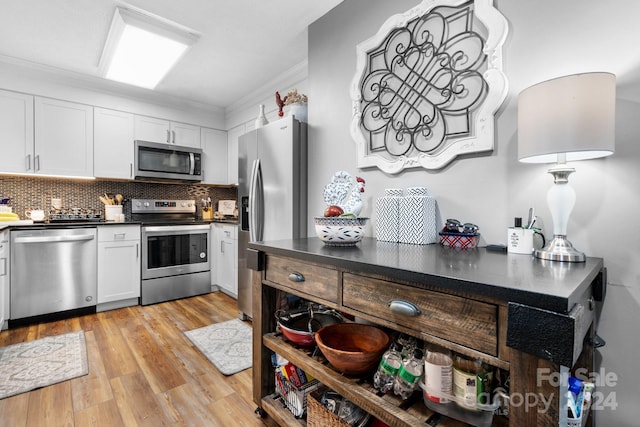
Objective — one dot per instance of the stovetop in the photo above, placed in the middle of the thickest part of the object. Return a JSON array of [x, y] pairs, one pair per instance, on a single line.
[[74, 215]]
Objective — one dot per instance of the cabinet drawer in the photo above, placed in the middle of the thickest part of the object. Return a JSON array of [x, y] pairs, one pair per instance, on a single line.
[[466, 322], [303, 278], [117, 233]]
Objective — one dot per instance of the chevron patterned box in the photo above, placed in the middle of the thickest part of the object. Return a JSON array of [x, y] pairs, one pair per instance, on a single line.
[[388, 215], [417, 219]]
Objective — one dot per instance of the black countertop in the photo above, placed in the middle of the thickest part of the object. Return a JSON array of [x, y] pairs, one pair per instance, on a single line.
[[85, 224], [523, 279]]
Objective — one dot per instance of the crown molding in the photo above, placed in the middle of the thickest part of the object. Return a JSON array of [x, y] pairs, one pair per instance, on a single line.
[[88, 82], [296, 73]]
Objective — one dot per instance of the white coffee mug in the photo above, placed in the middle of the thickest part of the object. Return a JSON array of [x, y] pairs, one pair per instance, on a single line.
[[35, 214]]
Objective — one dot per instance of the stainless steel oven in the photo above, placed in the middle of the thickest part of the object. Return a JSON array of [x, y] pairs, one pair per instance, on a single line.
[[175, 250]]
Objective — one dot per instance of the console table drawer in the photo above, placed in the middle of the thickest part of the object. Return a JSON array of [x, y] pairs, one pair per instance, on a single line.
[[471, 323], [303, 278]]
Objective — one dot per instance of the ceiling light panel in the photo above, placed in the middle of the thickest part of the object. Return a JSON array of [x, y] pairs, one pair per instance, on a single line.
[[141, 48]]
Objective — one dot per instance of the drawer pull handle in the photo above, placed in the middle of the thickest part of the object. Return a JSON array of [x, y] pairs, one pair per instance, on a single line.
[[296, 277], [404, 308]]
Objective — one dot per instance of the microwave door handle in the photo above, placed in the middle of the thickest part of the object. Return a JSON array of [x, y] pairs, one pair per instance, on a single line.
[[192, 162]]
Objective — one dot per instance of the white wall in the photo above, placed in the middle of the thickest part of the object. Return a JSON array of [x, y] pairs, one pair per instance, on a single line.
[[547, 39]]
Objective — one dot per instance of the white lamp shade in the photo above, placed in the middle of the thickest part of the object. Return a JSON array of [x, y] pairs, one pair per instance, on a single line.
[[574, 115]]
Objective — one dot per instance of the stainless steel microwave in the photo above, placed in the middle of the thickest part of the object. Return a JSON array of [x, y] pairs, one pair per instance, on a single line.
[[154, 161]]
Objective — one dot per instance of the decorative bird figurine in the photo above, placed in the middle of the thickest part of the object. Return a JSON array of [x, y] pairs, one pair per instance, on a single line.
[[354, 202], [344, 191], [280, 103]]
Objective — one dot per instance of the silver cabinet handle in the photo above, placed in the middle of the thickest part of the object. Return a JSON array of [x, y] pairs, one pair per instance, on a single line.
[[137, 250], [168, 137], [404, 308], [173, 135], [296, 277], [36, 163], [130, 170], [28, 162]]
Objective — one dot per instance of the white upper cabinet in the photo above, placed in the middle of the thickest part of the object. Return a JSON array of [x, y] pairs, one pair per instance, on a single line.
[[232, 152], [214, 148], [113, 145], [16, 122], [63, 138], [186, 135], [166, 132]]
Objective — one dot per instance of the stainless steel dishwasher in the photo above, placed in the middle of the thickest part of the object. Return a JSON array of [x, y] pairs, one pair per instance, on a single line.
[[52, 270]]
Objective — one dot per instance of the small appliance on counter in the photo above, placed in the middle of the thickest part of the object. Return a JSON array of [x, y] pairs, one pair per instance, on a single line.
[[227, 209]]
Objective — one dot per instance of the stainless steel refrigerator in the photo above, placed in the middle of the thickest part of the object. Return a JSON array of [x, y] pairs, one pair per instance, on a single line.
[[272, 192]]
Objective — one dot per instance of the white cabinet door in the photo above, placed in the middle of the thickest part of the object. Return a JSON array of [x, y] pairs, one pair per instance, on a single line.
[[113, 146], [227, 258], [232, 152], [185, 135], [63, 138], [152, 129], [16, 122], [214, 148], [4, 277], [118, 264], [166, 132]]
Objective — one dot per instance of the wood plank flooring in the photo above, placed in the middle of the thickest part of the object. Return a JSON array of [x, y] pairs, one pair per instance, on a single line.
[[143, 371]]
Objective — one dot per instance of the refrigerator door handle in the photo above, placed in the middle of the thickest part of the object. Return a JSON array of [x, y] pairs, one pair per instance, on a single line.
[[256, 203]]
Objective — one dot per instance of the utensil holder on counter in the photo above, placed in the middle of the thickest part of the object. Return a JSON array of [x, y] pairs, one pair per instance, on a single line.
[[112, 212]]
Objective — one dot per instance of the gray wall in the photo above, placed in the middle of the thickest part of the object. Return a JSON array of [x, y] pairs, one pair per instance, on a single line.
[[547, 39]]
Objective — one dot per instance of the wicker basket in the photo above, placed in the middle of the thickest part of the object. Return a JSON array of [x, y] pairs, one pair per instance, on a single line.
[[318, 415]]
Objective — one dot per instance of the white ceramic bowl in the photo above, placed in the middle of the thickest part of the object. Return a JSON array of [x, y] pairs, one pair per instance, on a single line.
[[340, 231]]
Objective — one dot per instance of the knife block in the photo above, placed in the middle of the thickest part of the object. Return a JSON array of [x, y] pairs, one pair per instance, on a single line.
[[207, 213]]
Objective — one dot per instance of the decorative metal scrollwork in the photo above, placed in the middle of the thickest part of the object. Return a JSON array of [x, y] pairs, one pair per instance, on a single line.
[[427, 86]]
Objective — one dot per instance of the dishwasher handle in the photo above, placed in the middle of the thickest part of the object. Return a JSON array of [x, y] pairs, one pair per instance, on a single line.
[[54, 239]]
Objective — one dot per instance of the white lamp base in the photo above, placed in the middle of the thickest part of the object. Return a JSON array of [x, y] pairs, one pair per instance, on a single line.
[[560, 249]]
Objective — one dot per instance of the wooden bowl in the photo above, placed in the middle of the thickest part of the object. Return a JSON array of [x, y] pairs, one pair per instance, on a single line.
[[352, 348]]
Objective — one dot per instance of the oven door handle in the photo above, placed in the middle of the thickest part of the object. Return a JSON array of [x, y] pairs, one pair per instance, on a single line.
[[164, 230], [256, 203]]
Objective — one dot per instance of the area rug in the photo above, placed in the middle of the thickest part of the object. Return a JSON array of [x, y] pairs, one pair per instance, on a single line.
[[227, 345], [34, 364]]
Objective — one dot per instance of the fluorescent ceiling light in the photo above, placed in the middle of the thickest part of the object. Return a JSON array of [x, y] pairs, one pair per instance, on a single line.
[[141, 48]]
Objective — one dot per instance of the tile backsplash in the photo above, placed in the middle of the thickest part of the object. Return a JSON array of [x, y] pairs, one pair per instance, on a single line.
[[37, 192]]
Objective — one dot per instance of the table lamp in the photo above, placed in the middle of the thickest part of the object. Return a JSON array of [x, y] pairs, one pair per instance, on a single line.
[[566, 119]]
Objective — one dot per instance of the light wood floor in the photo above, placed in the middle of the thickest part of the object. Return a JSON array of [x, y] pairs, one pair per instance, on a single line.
[[143, 371]]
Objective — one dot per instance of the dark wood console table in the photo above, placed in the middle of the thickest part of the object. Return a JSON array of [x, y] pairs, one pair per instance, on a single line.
[[528, 317]]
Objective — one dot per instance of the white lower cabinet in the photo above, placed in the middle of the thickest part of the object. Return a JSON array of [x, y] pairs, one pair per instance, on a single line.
[[4, 278], [225, 258], [118, 266]]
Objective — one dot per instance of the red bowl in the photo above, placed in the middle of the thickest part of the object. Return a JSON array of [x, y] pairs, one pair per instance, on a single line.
[[295, 326], [302, 338]]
